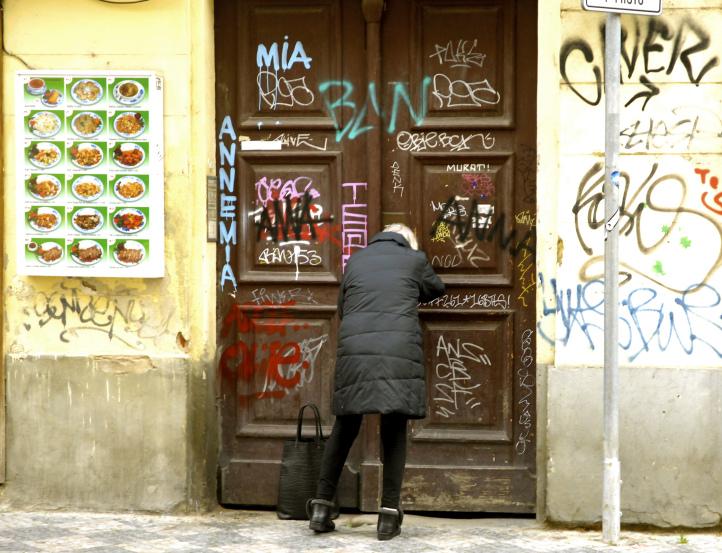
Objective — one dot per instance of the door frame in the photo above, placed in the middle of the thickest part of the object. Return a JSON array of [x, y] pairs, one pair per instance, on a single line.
[[370, 464], [2, 275]]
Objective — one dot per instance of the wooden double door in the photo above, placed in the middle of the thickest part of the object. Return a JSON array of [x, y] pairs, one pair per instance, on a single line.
[[334, 118]]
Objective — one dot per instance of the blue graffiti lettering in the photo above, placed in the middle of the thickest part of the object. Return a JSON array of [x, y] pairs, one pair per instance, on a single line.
[[647, 321], [268, 57], [359, 115], [227, 212]]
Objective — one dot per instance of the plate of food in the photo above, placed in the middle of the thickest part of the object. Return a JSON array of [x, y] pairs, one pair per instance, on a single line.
[[86, 155], [128, 155], [87, 188], [129, 252], [87, 220], [129, 220], [87, 124], [86, 252], [129, 124], [129, 189], [44, 187], [128, 92], [44, 124], [36, 86], [44, 155], [44, 219], [49, 253], [52, 98], [87, 92]]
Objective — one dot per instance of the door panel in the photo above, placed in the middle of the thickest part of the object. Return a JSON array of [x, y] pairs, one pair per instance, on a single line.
[[298, 211], [448, 124], [455, 180]]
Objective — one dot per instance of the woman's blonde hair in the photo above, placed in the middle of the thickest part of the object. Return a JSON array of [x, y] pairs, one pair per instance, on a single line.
[[404, 231]]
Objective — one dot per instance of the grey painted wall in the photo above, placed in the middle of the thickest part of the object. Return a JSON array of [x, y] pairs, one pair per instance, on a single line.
[[670, 446], [106, 433]]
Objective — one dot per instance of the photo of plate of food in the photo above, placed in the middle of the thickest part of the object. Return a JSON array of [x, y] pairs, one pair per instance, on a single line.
[[129, 220], [44, 187], [129, 252], [87, 188], [128, 92], [87, 124], [52, 98], [36, 86], [129, 124], [44, 124], [86, 252], [128, 155], [44, 155], [49, 253], [129, 188], [87, 220], [86, 155], [44, 219], [87, 92]]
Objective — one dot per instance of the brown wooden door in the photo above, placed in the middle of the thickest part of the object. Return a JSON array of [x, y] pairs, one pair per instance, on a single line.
[[459, 176], [421, 124]]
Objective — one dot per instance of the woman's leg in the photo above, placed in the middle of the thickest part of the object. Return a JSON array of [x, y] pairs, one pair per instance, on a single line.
[[345, 430], [393, 439]]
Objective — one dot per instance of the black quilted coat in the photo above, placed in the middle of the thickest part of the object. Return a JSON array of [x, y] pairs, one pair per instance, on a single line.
[[380, 358]]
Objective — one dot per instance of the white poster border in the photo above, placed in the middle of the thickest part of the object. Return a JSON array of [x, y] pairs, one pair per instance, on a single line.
[[154, 266]]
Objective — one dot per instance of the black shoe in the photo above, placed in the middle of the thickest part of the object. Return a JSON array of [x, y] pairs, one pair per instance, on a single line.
[[389, 524], [320, 513]]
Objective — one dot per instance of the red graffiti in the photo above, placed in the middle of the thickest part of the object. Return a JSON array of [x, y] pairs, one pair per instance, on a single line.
[[246, 316], [239, 360], [716, 202]]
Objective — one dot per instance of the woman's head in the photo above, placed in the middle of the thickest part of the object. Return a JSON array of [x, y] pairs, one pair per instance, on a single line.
[[404, 231]]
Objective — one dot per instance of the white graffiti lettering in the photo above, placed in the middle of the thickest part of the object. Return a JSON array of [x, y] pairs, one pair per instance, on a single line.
[[459, 54], [460, 93], [455, 388], [421, 141]]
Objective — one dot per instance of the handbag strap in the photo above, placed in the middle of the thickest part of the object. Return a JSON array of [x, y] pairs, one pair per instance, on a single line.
[[316, 416]]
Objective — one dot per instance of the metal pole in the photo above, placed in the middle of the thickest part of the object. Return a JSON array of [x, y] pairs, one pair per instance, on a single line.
[[611, 501]]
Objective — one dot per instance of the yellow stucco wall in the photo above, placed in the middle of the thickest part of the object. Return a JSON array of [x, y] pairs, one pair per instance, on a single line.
[[174, 315], [670, 307], [671, 225]]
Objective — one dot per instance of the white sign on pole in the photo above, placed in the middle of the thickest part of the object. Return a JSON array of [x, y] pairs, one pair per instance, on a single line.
[[638, 7]]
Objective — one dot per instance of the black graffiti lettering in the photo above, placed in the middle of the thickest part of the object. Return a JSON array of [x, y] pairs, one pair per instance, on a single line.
[[655, 28], [702, 45], [661, 47], [288, 218], [631, 61], [480, 223], [652, 90], [585, 49]]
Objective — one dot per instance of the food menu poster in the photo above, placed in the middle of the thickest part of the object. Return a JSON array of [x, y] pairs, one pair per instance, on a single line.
[[90, 173]]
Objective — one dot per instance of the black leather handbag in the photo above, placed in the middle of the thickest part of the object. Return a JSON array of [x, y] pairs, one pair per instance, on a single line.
[[300, 469]]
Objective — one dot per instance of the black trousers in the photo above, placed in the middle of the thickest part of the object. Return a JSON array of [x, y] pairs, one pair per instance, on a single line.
[[393, 441]]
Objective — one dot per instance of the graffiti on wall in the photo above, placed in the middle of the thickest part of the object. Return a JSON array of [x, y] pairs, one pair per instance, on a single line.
[[458, 370], [280, 91], [651, 46], [227, 223], [278, 360], [80, 311], [658, 216], [354, 224], [525, 380], [650, 320]]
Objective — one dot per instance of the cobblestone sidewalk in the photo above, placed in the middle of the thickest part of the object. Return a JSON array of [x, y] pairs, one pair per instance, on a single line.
[[260, 532]]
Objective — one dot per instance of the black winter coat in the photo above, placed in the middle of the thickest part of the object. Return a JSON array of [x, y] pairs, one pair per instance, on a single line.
[[380, 357]]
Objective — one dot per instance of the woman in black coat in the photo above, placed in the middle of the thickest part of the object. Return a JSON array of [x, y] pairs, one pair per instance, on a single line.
[[379, 365]]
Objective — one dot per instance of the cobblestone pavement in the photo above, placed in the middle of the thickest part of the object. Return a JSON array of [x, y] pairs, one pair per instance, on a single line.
[[260, 532]]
